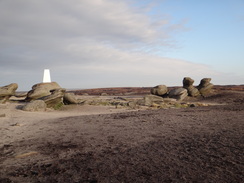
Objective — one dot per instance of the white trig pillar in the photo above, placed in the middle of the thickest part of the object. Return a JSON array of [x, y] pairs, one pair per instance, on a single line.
[[46, 76]]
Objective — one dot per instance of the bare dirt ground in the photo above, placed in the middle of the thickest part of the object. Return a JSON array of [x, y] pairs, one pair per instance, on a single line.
[[103, 144]]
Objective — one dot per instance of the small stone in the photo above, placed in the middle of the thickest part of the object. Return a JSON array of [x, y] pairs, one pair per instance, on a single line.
[[2, 115]]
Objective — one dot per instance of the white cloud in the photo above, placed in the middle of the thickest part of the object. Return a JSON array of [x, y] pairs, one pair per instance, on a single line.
[[100, 20], [87, 44]]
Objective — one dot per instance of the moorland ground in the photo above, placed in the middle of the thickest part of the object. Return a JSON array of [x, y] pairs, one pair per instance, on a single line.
[[103, 144]]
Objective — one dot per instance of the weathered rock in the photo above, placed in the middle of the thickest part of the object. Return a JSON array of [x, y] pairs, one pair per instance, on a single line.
[[187, 81], [205, 86], [41, 90], [69, 98], [21, 94], [192, 91], [159, 90], [7, 91], [148, 100], [188, 84], [55, 100], [204, 82], [36, 105], [206, 90], [132, 104], [178, 93]]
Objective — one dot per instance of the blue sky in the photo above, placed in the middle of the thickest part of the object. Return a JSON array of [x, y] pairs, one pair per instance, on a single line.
[[109, 43], [215, 34]]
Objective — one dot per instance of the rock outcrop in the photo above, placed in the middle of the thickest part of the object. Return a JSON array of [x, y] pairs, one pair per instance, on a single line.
[[188, 89], [205, 86], [178, 93], [7, 91], [51, 94], [159, 90], [188, 84], [41, 90]]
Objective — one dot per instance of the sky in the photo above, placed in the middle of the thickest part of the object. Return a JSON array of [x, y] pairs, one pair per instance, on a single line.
[[121, 43]]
